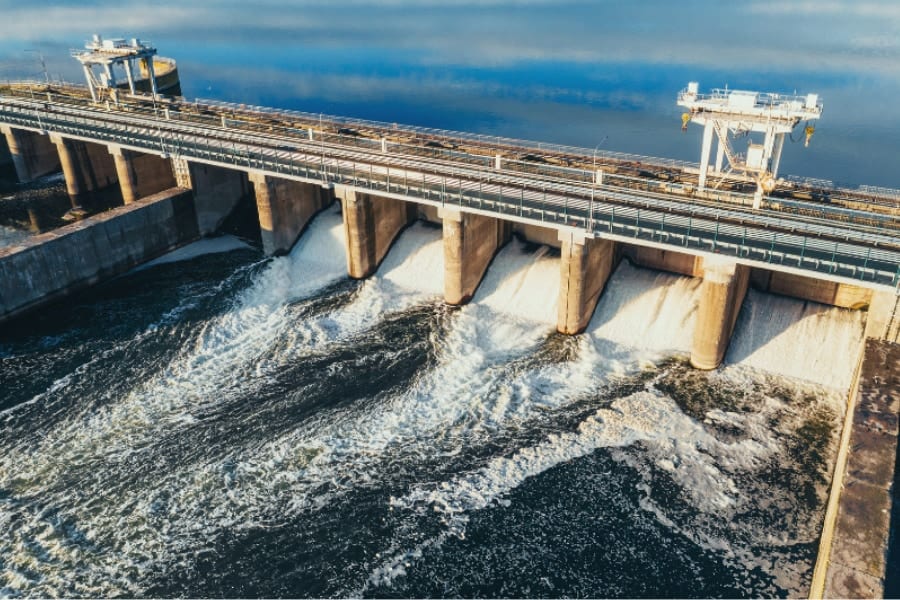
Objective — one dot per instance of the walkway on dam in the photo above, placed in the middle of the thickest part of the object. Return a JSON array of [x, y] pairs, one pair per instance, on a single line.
[[830, 242]]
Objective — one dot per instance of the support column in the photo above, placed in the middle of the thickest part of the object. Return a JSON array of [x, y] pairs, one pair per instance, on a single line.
[[71, 171], [371, 224], [125, 173], [704, 153], [721, 295], [585, 266], [720, 155], [285, 208], [32, 154], [776, 156], [470, 243]]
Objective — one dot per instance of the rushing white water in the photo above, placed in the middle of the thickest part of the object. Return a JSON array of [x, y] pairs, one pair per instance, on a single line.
[[229, 354], [222, 243], [797, 339], [484, 385]]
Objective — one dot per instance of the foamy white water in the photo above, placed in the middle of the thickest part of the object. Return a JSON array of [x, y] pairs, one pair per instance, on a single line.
[[797, 339], [220, 361], [647, 310], [222, 243]]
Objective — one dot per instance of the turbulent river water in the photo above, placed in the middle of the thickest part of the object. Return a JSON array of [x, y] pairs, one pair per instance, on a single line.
[[220, 424]]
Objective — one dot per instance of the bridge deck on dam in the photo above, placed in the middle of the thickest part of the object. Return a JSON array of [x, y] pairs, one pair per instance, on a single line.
[[853, 237]]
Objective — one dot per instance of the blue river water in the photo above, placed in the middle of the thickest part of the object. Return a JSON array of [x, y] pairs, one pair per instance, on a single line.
[[224, 424]]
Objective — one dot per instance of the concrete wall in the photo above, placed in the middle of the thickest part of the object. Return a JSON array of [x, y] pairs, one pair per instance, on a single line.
[[371, 223], [470, 243], [664, 260], [217, 191], [285, 207], [547, 236], [808, 288], [57, 263], [883, 320], [141, 174], [585, 266], [721, 295], [33, 155], [854, 548]]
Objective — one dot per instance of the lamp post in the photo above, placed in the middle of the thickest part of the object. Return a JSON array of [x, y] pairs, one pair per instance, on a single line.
[[43, 64], [590, 226]]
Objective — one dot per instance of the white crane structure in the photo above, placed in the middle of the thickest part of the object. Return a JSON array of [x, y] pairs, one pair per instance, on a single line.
[[732, 114], [107, 54]]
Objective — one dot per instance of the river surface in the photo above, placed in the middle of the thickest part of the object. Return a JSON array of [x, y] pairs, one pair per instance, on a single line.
[[228, 425], [219, 423]]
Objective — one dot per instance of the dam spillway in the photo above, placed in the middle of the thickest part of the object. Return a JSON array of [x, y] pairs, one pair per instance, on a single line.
[[430, 422], [374, 396]]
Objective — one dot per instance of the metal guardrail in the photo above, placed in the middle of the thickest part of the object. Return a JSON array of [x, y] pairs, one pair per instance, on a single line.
[[20, 87], [765, 238]]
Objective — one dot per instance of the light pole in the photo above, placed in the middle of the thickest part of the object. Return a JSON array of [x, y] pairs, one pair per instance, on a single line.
[[43, 64], [590, 227]]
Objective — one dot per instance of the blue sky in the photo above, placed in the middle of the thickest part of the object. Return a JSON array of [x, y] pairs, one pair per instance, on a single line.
[[570, 72]]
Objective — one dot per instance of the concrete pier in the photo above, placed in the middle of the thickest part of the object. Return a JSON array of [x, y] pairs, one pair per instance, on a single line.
[[88, 168], [285, 207], [32, 154], [585, 265], [853, 550], [141, 174], [370, 225], [470, 243], [723, 290], [54, 264]]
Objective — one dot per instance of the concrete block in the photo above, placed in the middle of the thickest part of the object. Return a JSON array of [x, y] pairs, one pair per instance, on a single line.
[[470, 243], [585, 266]]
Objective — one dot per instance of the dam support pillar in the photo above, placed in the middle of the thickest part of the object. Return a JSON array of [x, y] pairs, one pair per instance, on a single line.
[[371, 224], [585, 266], [721, 295], [141, 174], [883, 321], [32, 154], [88, 168], [285, 207], [470, 243]]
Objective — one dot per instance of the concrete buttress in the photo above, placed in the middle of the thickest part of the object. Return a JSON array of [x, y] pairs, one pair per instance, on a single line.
[[371, 224], [470, 243], [585, 266], [285, 207], [721, 295]]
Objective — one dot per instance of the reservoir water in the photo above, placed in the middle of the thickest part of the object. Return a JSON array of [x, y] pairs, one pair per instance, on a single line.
[[219, 423]]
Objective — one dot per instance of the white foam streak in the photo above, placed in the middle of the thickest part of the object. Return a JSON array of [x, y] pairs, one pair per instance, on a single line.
[[223, 243]]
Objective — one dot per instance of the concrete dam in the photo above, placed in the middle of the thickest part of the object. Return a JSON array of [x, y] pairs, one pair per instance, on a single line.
[[180, 169]]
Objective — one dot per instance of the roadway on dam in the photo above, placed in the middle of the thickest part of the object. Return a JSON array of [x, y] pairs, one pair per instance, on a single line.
[[839, 243]]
